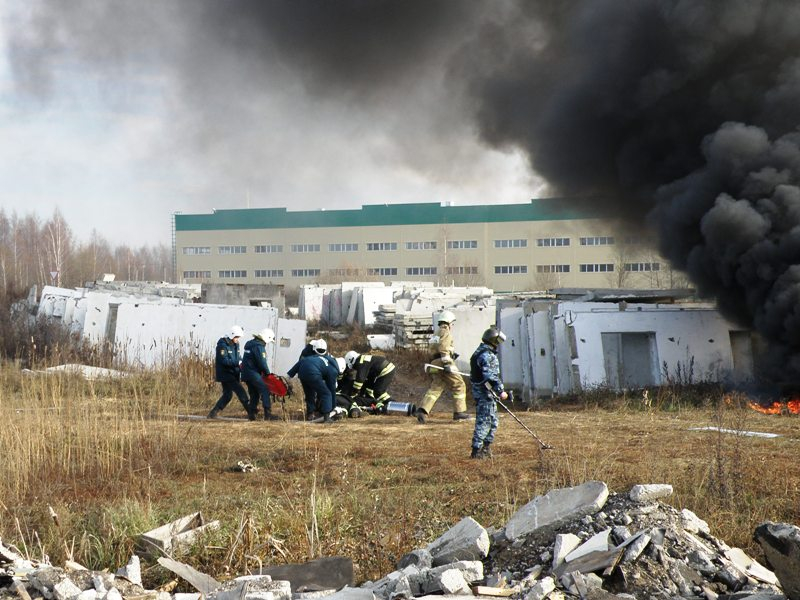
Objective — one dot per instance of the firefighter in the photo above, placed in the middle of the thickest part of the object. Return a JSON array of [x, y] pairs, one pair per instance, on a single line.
[[254, 369], [484, 375], [228, 373], [448, 377], [318, 373], [371, 377]]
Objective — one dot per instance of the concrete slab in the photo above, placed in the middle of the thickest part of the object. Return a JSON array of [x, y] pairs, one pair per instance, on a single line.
[[330, 572], [466, 540], [599, 542], [557, 507], [563, 545], [650, 492]]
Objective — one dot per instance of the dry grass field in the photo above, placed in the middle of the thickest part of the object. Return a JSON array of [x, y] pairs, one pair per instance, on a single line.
[[113, 459]]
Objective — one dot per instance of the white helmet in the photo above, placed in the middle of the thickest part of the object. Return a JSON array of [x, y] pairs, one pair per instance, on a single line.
[[236, 331], [446, 317], [340, 362], [320, 346], [350, 358], [267, 335]]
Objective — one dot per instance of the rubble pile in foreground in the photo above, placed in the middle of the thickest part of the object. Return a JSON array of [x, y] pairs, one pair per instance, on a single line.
[[580, 542]]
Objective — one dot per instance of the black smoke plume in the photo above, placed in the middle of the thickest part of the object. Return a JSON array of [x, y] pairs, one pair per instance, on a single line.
[[684, 112]]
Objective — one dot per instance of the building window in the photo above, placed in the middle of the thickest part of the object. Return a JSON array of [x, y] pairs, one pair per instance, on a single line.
[[421, 270], [305, 247], [642, 267], [510, 269], [269, 249], [344, 272], [381, 246], [342, 247], [511, 243], [462, 270], [598, 268], [197, 274], [552, 268], [233, 249], [197, 250], [268, 273], [384, 271], [233, 274], [552, 242], [420, 245], [462, 244], [600, 240], [305, 272]]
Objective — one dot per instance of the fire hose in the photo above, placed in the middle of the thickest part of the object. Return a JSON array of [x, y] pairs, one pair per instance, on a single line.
[[496, 397]]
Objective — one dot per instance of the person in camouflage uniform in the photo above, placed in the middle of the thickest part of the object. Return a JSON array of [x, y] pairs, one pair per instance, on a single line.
[[484, 375], [447, 377]]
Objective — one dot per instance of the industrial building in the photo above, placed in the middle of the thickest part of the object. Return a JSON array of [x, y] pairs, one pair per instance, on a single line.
[[542, 244]]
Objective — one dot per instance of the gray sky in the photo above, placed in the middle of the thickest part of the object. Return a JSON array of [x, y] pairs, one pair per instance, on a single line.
[[121, 112]]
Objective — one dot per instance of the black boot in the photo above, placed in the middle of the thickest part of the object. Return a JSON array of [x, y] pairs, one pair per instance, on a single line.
[[486, 450], [461, 416], [422, 416], [251, 415], [476, 453], [213, 414]]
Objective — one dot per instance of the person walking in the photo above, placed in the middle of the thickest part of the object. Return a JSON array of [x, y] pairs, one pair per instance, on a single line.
[[371, 377], [484, 375], [448, 376], [227, 372], [255, 369]]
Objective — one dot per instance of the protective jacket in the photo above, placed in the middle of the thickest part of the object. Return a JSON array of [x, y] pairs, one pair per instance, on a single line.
[[254, 361], [484, 367], [368, 369], [444, 348], [307, 351], [226, 361]]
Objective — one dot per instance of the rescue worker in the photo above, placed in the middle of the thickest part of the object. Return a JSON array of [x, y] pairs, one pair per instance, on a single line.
[[254, 369], [448, 376], [484, 375], [318, 373], [371, 377], [228, 373]]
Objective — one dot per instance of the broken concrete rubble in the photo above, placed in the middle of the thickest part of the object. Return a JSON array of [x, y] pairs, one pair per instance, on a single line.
[[581, 542]]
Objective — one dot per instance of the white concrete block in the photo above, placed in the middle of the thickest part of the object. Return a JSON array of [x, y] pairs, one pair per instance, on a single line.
[[599, 542], [65, 590], [564, 544], [467, 540], [650, 492], [556, 507], [542, 588]]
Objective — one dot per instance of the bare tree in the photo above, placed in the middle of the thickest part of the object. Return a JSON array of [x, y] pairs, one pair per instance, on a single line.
[[57, 241]]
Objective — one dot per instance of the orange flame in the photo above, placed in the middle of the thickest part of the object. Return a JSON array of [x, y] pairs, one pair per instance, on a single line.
[[790, 406]]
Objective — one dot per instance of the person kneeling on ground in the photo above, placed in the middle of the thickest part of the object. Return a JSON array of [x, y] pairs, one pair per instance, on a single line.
[[228, 373], [371, 377], [318, 374], [484, 375], [255, 369]]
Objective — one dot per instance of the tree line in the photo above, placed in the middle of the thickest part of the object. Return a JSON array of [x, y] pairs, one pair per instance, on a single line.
[[46, 252]]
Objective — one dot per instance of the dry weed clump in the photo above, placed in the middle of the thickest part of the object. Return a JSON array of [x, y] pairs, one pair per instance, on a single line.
[[113, 459]]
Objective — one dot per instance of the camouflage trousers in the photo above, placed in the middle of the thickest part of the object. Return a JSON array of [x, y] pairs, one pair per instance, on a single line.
[[486, 422]]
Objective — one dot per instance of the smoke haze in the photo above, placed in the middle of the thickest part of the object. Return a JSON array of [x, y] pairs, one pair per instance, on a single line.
[[683, 112]]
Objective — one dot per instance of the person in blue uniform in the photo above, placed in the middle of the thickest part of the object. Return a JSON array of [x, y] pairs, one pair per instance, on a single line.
[[318, 374], [484, 375], [227, 372], [254, 369]]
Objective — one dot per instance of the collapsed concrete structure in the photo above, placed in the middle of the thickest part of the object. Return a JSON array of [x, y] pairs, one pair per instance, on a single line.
[[151, 326], [558, 346], [580, 542]]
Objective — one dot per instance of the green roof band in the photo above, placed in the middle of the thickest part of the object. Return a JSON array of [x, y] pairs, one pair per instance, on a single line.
[[427, 213]]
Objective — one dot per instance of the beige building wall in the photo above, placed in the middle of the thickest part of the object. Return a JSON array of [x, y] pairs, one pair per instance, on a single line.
[[507, 256]]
